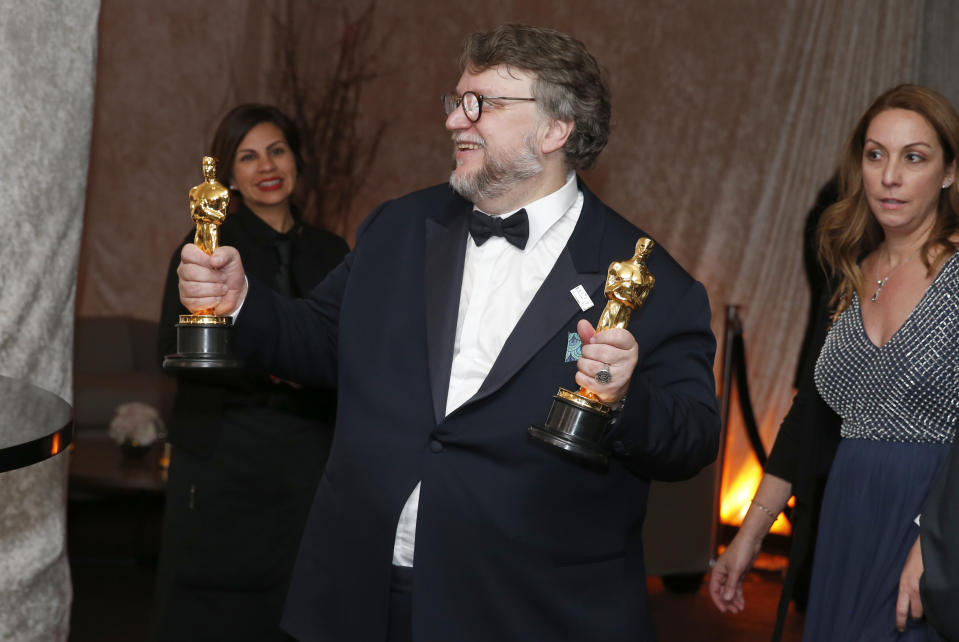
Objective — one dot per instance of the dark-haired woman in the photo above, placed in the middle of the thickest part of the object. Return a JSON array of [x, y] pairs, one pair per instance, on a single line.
[[890, 369], [248, 451]]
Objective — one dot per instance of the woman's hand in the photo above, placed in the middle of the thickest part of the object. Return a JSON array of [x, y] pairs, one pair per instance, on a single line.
[[908, 603], [726, 578]]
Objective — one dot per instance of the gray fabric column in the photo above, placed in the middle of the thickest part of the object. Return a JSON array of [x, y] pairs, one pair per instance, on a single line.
[[938, 48], [47, 62]]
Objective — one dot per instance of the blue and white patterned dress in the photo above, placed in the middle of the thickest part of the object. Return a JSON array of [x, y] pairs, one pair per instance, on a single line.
[[899, 404]]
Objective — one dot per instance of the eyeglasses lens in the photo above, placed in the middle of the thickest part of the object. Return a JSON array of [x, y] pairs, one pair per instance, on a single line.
[[469, 101], [471, 106]]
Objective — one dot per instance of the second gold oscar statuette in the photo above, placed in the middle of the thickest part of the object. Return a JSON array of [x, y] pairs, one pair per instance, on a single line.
[[578, 422]]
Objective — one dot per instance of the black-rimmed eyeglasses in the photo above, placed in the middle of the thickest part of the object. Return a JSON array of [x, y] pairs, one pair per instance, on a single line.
[[472, 103]]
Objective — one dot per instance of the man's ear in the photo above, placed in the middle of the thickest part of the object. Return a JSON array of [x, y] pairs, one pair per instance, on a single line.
[[556, 134]]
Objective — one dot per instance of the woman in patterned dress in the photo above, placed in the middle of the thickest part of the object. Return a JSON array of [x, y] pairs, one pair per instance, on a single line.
[[889, 367]]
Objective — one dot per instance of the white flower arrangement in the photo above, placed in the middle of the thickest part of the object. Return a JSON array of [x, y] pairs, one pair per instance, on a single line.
[[136, 424]]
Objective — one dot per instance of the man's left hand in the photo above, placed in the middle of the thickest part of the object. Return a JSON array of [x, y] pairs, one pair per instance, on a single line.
[[614, 348]]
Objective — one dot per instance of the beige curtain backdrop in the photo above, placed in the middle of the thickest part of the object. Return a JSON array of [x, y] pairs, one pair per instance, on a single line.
[[47, 64], [728, 116]]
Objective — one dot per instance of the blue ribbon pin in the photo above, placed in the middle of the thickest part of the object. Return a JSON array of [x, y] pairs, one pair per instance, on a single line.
[[574, 347]]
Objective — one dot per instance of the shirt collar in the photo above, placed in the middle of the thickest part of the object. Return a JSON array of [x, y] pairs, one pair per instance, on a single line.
[[545, 212]]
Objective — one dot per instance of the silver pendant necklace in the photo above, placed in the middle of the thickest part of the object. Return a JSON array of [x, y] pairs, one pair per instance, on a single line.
[[881, 282]]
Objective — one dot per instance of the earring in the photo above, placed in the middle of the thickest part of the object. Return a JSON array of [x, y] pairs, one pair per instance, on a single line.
[[946, 184]]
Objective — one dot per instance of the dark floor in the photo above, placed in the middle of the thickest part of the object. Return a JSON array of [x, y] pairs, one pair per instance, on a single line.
[[113, 547], [688, 618], [112, 544]]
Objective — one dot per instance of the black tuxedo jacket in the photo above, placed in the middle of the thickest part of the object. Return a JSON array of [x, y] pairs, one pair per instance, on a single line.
[[514, 541]]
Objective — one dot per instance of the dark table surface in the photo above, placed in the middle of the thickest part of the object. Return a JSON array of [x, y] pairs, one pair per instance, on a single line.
[[35, 424]]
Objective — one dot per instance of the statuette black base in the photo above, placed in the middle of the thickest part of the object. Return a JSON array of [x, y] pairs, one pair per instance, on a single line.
[[202, 342], [578, 425]]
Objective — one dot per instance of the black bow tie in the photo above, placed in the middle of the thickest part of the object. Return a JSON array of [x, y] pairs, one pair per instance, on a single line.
[[514, 229]]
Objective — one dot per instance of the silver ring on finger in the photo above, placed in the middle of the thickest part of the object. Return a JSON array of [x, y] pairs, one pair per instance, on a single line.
[[603, 375]]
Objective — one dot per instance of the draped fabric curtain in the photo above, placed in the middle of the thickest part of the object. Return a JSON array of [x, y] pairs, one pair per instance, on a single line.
[[728, 117], [938, 48], [47, 65]]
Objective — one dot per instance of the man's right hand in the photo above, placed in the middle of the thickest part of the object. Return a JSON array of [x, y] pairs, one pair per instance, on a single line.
[[211, 281]]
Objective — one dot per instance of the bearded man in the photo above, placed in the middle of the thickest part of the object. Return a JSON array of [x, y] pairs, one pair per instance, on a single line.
[[447, 330]]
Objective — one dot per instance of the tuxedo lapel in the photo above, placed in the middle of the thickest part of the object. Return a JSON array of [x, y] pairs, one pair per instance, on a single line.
[[553, 305], [443, 278]]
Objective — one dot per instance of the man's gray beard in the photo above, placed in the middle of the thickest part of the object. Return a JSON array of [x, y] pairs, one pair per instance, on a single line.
[[498, 176]]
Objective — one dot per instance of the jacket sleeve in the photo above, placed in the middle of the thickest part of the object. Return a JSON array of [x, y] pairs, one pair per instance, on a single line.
[[809, 434], [296, 339], [669, 426], [785, 454]]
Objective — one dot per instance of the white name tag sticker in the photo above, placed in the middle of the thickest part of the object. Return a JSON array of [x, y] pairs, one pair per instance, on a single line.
[[579, 293]]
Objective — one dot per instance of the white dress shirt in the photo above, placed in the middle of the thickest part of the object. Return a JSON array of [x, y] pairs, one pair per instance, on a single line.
[[492, 300]]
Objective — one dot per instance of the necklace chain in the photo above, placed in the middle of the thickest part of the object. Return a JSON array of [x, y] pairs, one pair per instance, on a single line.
[[881, 282], [879, 285]]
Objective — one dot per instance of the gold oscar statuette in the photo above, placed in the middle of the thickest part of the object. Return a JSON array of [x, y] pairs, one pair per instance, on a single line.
[[578, 422], [203, 338]]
